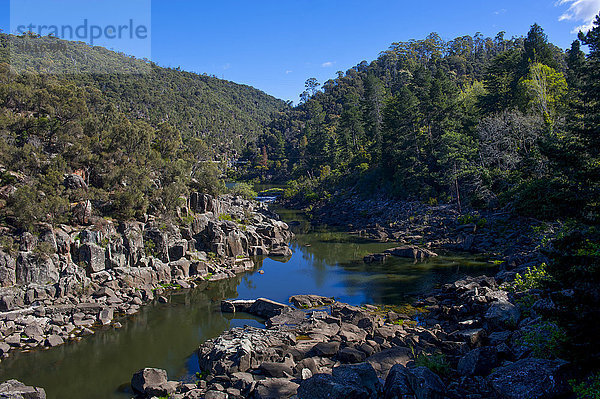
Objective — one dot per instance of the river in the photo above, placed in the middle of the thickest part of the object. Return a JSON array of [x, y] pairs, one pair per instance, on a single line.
[[325, 262]]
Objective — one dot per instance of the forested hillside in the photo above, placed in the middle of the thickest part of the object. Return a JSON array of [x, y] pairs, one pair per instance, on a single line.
[[137, 140], [475, 121]]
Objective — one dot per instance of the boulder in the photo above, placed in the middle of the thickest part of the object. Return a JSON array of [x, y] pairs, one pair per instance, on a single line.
[[530, 378], [383, 361], [479, 361], [266, 308], [310, 301], [150, 382], [75, 182], [426, 384], [275, 388], [358, 381], [503, 315], [13, 389], [397, 383]]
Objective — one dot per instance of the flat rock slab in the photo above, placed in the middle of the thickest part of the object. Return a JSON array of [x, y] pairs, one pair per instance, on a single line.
[[383, 361]]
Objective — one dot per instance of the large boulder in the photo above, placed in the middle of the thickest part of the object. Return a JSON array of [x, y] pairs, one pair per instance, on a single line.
[[419, 382], [503, 315], [479, 361], [530, 378], [383, 361], [151, 382], [13, 389], [274, 388], [266, 308], [358, 381]]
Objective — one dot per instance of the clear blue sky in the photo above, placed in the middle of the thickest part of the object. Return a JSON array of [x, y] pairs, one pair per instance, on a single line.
[[276, 45]]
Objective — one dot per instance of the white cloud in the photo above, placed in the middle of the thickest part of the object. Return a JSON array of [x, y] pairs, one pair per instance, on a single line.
[[327, 64], [499, 12], [288, 72], [580, 11], [227, 66]]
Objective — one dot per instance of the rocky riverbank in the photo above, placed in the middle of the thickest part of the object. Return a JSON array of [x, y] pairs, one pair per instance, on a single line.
[[432, 226], [65, 281], [469, 339]]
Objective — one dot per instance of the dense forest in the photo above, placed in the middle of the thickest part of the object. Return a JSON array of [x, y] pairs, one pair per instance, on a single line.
[[483, 124], [138, 135], [474, 121]]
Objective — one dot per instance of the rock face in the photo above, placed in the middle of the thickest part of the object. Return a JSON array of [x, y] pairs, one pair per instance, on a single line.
[[70, 278], [13, 389]]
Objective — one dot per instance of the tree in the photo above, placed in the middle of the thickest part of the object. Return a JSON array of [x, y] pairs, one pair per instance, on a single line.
[[537, 49], [311, 88]]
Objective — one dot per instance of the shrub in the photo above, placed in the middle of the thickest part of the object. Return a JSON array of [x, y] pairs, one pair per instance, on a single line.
[[244, 190], [588, 389], [534, 277]]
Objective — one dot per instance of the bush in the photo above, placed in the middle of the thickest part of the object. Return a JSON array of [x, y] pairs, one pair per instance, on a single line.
[[534, 277], [244, 190], [588, 389]]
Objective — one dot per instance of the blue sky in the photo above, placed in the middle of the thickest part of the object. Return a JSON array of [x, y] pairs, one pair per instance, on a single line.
[[276, 45]]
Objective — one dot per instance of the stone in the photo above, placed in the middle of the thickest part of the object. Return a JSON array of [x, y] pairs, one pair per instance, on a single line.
[[275, 388], [276, 370], [503, 315], [361, 375], [75, 182], [310, 301], [351, 355], [266, 308], [106, 316], [530, 378], [383, 361], [54, 340], [326, 349], [325, 386], [474, 337], [397, 384], [151, 382], [479, 361], [4, 348], [426, 384], [13, 389]]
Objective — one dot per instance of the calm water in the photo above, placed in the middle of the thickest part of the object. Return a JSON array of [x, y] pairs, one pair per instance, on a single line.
[[325, 262]]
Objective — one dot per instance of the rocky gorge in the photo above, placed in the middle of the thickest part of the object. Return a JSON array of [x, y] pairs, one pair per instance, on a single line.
[[62, 283]]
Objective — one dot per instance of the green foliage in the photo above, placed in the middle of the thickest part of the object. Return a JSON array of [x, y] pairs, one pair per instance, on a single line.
[[436, 363], [535, 277], [244, 190], [135, 138], [544, 339], [587, 389]]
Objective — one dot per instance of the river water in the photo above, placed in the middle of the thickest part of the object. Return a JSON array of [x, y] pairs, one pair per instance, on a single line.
[[325, 262]]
